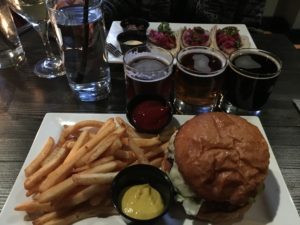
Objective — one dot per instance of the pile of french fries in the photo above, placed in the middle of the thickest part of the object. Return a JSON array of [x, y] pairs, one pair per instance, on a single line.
[[69, 180]]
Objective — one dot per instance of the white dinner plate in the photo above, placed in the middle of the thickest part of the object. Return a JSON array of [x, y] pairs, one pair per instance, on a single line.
[[116, 28], [273, 207]]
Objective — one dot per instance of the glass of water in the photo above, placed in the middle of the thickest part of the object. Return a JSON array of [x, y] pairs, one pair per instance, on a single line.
[[81, 34]]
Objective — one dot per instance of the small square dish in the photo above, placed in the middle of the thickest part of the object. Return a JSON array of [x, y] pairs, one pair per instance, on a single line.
[[116, 29], [273, 207]]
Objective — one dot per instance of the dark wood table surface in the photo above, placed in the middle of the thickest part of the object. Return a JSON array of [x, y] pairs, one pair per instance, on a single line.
[[25, 99]]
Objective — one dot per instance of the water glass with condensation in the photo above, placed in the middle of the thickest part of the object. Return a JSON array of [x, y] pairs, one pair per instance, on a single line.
[[11, 50], [81, 35]]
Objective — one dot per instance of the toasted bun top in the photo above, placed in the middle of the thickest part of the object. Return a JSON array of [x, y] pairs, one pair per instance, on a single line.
[[222, 157]]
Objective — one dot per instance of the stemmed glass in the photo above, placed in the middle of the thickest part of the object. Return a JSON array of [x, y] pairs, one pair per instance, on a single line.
[[35, 12]]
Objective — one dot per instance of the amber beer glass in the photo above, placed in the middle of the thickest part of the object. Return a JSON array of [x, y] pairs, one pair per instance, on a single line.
[[198, 79], [249, 80], [148, 71]]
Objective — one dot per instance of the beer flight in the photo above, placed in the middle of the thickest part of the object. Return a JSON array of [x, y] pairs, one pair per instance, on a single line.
[[223, 74]]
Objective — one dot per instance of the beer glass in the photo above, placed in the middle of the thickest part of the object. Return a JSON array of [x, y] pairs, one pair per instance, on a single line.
[[249, 81], [148, 72], [198, 79]]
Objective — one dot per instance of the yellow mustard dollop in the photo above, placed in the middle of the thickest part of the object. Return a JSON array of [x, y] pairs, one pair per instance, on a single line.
[[142, 202]]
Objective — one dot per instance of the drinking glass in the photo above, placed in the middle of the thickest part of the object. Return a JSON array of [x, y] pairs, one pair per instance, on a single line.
[[11, 50], [249, 80], [198, 79], [35, 12], [148, 71], [81, 34]]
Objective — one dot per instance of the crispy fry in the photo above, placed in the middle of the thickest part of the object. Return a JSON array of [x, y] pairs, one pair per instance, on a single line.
[[116, 145], [35, 164], [36, 195], [82, 213], [102, 161], [98, 150], [106, 167], [85, 123], [125, 155], [33, 206], [82, 196], [138, 151], [106, 202], [35, 178], [69, 144], [94, 178], [157, 162], [51, 156], [45, 218], [147, 142], [143, 142], [32, 191], [96, 200], [57, 190], [108, 127], [101, 148], [129, 130], [81, 139], [155, 152], [95, 163]]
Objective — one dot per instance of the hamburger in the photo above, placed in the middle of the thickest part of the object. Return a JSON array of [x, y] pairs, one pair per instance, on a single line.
[[218, 163]]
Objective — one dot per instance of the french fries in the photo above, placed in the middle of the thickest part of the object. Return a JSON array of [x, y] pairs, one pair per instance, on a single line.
[[94, 178], [35, 164], [69, 180]]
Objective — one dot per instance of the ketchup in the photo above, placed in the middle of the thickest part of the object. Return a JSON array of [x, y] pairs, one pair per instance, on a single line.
[[150, 115]]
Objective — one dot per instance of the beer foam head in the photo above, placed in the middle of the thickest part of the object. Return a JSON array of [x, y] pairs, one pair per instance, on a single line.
[[202, 59], [255, 63], [148, 66]]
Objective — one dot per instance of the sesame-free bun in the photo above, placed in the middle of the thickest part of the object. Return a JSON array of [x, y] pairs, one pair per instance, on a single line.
[[222, 157]]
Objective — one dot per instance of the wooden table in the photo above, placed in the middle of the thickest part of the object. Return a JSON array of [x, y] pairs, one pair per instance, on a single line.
[[25, 98]]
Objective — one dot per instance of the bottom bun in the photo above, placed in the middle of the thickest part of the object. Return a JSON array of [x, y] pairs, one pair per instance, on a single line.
[[223, 217]]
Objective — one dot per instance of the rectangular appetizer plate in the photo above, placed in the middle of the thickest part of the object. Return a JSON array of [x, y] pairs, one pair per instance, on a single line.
[[272, 207], [115, 29]]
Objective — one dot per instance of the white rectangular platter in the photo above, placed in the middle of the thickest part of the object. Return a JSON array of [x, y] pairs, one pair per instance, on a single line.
[[115, 29], [273, 207]]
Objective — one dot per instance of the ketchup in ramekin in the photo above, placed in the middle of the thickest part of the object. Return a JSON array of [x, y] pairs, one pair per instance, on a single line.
[[149, 113]]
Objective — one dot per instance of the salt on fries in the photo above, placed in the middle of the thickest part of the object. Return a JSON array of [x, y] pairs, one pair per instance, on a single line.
[[70, 180]]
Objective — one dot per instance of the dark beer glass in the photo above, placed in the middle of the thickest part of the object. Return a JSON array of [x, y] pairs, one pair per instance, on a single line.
[[198, 79], [249, 80]]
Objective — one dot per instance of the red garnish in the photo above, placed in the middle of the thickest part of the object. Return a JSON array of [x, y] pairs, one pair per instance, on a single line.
[[195, 37], [162, 39], [228, 39]]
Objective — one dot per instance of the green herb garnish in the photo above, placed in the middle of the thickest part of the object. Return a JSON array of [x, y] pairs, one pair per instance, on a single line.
[[230, 31], [164, 27]]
